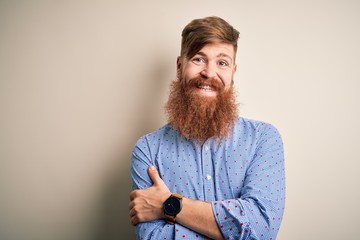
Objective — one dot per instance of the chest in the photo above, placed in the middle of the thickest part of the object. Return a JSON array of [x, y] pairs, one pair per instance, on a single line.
[[209, 172]]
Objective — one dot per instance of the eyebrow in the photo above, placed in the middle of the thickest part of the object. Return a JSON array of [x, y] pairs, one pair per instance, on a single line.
[[223, 55]]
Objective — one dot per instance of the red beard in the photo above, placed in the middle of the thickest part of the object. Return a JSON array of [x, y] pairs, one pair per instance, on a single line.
[[200, 117]]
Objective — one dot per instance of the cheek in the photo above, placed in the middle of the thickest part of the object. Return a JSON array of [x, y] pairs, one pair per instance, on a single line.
[[228, 80], [189, 73]]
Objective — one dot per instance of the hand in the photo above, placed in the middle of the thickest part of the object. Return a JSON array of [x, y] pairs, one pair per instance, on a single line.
[[147, 204]]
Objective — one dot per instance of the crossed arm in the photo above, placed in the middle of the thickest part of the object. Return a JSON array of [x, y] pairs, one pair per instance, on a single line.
[[147, 205], [255, 211]]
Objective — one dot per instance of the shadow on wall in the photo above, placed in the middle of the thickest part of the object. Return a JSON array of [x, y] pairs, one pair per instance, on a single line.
[[114, 221]]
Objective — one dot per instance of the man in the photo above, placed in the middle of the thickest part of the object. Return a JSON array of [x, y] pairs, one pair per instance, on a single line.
[[207, 173]]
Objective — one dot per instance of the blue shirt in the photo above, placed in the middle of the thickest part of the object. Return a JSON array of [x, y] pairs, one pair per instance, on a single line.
[[243, 178]]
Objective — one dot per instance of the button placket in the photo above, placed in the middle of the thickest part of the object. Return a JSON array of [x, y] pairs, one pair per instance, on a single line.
[[208, 172]]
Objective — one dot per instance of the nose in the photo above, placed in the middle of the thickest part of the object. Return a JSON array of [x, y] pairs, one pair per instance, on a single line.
[[209, 71]]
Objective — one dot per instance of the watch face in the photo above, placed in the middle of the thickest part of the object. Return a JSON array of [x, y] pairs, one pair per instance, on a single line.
[[172, 206]]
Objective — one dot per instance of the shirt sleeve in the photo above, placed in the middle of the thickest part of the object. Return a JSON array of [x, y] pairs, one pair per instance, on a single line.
[[258, 211], [140, 162]]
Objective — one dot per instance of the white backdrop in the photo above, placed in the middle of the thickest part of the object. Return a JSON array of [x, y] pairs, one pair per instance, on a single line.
[[81, 81]]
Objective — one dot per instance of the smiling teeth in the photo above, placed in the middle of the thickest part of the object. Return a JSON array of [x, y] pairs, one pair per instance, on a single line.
[[206, 88]]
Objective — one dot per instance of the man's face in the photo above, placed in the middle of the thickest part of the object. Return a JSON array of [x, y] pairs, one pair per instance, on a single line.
[[214, 61], [202, 102]]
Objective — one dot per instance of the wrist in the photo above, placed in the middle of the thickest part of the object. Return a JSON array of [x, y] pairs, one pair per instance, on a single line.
[[172, 207]]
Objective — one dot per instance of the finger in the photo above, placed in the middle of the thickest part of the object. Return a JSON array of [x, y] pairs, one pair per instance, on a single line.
[[131, 205], [132, 194], [134, 220], [154, 175], [132, 212]]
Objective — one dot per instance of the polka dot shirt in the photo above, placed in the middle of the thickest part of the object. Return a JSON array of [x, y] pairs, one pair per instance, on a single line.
[[243, 178]]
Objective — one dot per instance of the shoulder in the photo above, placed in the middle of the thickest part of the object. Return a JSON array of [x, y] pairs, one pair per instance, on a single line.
[[254, 124], [257, 128], [158, 135]]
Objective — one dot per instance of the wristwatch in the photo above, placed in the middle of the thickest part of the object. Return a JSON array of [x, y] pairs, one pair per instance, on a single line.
[[172, 206]]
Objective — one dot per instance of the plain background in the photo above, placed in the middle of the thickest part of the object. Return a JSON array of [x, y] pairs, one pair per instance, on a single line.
[[81, 81]]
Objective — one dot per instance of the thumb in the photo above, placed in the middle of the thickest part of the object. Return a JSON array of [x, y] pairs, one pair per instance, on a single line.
[[154, 175]]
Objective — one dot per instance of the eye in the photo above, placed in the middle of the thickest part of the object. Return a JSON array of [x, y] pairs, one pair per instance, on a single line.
[[198, 60], [223, 63]]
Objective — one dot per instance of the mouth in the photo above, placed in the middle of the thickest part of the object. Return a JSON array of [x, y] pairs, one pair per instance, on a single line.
[[206, 88], [207, 91]]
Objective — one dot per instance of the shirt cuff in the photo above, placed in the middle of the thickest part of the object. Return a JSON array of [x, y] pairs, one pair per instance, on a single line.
[[231, 219]]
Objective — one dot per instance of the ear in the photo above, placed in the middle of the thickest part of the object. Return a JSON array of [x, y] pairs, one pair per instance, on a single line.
[[234, 69], [233, 73], [179, 61]]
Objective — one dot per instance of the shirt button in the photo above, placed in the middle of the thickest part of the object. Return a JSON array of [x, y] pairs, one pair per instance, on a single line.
[[208, 177], [206, 148]]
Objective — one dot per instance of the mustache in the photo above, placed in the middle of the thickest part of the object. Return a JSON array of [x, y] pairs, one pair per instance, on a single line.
[[198, 82]]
